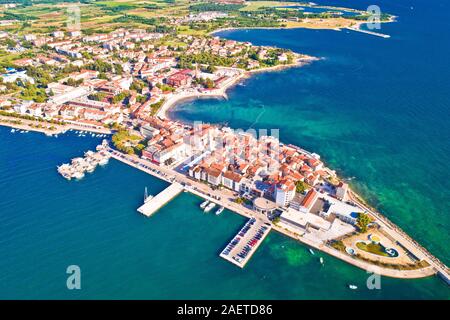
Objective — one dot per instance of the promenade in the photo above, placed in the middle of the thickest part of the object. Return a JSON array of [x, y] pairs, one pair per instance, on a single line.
[[31, 125]]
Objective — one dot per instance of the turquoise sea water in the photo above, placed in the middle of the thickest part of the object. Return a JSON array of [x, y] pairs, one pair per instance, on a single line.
[[388, 131]]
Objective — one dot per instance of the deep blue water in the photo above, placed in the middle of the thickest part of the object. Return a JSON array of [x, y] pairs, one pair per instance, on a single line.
[[374, 108]]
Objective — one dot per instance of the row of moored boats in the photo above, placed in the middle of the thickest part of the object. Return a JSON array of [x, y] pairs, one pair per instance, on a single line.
[[19, 131], [79, 166], [209, 205], [93, 135]]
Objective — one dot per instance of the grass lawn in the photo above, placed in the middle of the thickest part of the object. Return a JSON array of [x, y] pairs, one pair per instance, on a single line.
[[257, 5], [371, 247]]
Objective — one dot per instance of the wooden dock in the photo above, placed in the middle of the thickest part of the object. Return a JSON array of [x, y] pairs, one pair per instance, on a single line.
[[157, 202]]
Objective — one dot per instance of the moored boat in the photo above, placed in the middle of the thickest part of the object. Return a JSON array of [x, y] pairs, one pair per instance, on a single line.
[[219, 211], [204, 204], [210, 207]]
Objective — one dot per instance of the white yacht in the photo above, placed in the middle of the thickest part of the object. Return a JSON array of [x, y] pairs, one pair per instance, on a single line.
[[219, 211], [204, 204], [210, 207]]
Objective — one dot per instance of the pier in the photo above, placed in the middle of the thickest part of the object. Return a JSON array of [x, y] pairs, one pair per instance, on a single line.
[[369, 32], [246, 242], [157, 202]]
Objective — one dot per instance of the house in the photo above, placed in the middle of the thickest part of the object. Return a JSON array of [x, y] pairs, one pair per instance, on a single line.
[[232, 180], [214, 176], [29, 37], [180, 78], [35, 110], [341, 191], [22, 107], [23, 62], [284, 192], [75, 33], [58, 34], [304, 204]]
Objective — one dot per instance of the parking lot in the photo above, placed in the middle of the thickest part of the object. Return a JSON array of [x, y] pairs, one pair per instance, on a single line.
[[245, 243]]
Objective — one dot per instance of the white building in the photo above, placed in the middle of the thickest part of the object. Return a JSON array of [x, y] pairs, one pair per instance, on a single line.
[[341, 191], [65, 93], [16, 75], [284, 193], [58, 34]]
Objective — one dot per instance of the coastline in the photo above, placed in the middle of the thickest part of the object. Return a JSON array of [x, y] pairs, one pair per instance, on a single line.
[[176, 99], [436, 267], [30, 125], [356, 24]]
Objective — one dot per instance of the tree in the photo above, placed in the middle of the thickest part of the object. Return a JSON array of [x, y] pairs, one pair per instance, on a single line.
[[300, 186], [362, 221]]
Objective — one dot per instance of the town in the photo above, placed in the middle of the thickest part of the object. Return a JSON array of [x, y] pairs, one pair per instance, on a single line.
[[124, 82]]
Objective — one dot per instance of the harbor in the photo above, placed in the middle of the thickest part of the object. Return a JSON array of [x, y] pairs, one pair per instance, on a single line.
[[246, 242], [79, 166]]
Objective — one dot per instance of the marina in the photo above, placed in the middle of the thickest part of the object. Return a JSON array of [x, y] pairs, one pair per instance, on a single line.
[[246, 242], [77, 168]]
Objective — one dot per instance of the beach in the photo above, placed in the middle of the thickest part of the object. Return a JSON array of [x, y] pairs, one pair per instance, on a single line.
[[221, 92]]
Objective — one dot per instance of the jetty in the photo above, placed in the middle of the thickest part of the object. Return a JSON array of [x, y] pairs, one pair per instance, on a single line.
[[246, 242], [157, 202], [382, 35]]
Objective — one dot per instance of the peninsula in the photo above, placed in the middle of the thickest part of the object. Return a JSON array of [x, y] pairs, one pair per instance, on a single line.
[[127, 64]]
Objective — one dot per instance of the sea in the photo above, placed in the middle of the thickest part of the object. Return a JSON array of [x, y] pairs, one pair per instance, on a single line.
[[375, 109]]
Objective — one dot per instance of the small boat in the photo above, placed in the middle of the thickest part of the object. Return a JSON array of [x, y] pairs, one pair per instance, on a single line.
[[219, 211], [210, 207], [321, 260], [352, 286], [147, 197], [311, 251], [13, 130], [204, 204]]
